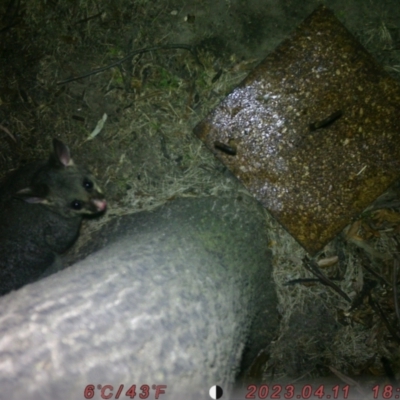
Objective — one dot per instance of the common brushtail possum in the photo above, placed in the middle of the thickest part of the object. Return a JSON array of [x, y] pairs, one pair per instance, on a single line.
[[41, 210]]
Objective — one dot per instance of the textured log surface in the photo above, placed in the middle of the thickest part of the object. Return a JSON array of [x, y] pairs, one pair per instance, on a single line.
[[174, 298]]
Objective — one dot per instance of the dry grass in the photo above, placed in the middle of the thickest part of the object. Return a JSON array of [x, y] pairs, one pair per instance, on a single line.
[[147, 155]]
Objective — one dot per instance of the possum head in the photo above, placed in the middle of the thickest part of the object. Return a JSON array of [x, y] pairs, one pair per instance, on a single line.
[[67, 189]]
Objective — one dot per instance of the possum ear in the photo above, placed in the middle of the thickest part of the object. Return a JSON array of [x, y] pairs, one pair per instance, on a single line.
[[34, 194], [62, 154]]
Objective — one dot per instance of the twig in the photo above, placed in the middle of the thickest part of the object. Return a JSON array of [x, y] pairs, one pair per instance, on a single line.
[[366, 290], [305, 280], [3, 128], [82, 21], [312, 266], [132, 54], [366, 264], [382, 315]]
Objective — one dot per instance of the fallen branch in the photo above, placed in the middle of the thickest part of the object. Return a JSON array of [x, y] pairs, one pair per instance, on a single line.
[[132, 54]]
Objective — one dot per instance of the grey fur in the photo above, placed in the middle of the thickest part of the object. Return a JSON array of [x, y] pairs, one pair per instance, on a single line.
[[41, 209]]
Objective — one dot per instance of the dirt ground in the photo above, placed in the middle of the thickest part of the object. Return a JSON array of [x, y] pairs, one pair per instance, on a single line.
[[145, 153]]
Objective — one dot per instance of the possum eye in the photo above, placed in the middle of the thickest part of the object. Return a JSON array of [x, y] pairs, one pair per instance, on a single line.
[[76, 205], [87, 184]]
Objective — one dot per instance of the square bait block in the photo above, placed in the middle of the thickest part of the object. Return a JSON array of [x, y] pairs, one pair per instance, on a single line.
[[313, 132]]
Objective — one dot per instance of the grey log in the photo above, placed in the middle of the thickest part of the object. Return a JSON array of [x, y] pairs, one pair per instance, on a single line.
[[168, 299]]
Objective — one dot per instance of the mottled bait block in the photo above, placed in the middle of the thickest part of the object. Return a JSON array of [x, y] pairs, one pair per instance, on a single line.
[[316, 127]]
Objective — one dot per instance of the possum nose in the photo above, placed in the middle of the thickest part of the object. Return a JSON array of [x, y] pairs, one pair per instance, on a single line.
[[101, 205]]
